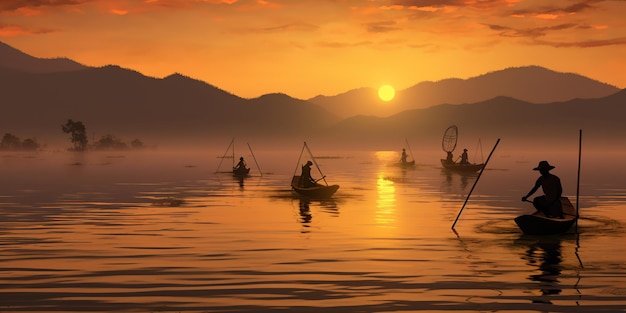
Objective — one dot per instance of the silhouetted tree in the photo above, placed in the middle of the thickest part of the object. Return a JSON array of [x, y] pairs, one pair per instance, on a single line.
[[30, 144], [108, 142], [78, 132], [136, 144], [10, 142]]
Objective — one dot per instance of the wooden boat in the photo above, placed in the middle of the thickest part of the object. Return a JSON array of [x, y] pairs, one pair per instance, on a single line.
[[409, 164], [237, 171], [465, 168], [448, 144], [241, 171], [318, 191], [539, 224]]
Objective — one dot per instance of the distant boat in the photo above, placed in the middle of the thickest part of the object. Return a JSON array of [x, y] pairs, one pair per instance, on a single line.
[[408, 164], [465, 168], [237, 171], [539, 224], [448, 144], [317, 190]]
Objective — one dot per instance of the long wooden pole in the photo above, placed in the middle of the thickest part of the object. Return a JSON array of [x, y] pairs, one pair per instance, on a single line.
[[255, 162], [580, 143], [410, 150], [476, 181], [232, 142], [315, 161]]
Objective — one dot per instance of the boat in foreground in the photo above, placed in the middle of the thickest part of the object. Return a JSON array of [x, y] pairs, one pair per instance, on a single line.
[[539, 224], [466, 168], [316, 191]]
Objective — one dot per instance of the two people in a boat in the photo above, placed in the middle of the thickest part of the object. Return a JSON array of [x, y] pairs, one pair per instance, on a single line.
[[305, 177], [464, 158], [550, 202]]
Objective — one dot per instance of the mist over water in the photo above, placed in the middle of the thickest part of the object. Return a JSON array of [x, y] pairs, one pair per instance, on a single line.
[[170, 231]]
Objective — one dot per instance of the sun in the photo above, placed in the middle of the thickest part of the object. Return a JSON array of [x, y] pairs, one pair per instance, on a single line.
[[386, 93]]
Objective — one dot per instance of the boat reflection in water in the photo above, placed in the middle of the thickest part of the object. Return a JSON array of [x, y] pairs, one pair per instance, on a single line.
[[306, 216], [545, 254]]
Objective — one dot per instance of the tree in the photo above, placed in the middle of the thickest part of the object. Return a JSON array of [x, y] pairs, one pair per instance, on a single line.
[[10, 142], [110, 142], [78, 132], [30, 144], [136, 144]]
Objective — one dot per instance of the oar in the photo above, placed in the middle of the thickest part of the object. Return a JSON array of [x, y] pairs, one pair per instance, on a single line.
[[476, 181]]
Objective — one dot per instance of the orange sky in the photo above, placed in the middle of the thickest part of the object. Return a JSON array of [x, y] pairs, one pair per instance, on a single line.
[[309, 47]]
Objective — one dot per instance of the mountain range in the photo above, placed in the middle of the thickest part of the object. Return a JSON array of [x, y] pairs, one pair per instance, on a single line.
[[39, 95]]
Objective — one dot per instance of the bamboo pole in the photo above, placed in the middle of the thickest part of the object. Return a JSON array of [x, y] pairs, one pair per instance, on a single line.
[[476, 181]]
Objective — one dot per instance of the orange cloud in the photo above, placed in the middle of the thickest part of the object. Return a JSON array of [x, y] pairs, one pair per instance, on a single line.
[[14, 30]]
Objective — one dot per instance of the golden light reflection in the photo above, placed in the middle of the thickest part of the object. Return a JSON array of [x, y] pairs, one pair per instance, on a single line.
[[385, 202]]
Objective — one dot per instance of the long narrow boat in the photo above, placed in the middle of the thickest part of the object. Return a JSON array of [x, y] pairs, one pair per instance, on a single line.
[[465, 168], [539, 224], [318, 191]]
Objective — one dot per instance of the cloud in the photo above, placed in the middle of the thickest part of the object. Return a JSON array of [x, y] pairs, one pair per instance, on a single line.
[[15, 5], [15, 30], [336, 44], [292, 27], [533, 32], [381, 27], [583, 44]]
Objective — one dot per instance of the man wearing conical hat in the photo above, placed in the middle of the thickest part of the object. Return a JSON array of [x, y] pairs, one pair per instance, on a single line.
[[550, 202]]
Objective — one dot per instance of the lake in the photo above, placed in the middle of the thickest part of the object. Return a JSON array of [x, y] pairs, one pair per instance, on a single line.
[[169, 231]]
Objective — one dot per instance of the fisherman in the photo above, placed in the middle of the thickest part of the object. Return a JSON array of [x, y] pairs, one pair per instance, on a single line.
[[305, 178], [241, 164], [403, 157], [550, 202], [464, 159]]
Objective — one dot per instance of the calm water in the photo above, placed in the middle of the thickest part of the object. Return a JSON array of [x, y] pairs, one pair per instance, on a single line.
[[162, 232]]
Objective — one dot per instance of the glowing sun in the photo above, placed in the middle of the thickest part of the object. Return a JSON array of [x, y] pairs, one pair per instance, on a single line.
[[386, 93]]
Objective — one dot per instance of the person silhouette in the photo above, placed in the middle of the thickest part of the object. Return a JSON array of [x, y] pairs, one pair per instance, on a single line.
[[305, 178], [403, 156], [241, 164], [550, 202], [464, 159], [449, 158]]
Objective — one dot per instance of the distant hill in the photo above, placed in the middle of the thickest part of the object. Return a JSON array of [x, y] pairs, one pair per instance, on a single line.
[[516, 121], [16, 59], [39, 97], [531, 83], [126, 103]]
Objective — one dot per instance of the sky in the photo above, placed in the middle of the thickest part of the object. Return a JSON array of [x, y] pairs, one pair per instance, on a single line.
[[305, 48]]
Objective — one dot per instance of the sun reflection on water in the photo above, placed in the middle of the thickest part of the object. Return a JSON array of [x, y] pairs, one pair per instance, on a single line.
[[385, 202]]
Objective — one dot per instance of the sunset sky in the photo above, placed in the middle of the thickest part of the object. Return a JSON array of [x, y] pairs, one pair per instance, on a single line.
[[309, 47]]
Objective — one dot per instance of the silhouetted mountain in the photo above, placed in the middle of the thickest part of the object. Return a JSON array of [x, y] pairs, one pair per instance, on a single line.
[[16, 59], [126, 103], [501, 117], [531, 83]]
